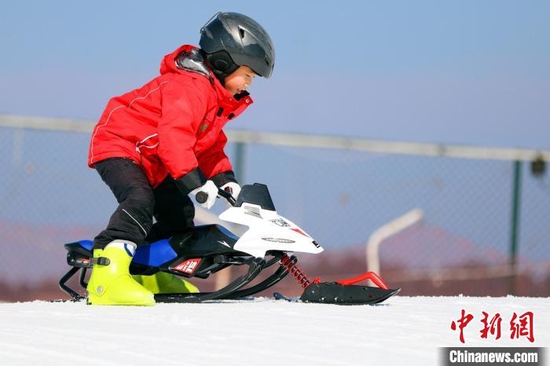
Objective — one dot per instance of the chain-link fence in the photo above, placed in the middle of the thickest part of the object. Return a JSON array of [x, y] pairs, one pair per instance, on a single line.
[[483, 227]]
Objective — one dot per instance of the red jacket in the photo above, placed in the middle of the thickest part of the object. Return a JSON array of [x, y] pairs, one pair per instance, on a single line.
[[171, 125]]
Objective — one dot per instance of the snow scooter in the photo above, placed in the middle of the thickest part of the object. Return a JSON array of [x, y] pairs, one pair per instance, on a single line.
[[203, 250]]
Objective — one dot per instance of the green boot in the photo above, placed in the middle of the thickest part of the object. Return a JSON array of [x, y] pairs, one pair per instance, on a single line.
[[111, 283], [165, 283]]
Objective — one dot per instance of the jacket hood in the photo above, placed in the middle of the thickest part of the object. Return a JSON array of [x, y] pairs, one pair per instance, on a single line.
[[192, 61]]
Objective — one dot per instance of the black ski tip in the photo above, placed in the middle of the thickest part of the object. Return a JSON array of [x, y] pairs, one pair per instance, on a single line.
[[279, 296], [334, 293]]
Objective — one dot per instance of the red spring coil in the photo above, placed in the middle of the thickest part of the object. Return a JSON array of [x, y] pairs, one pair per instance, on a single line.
[[290, 264]]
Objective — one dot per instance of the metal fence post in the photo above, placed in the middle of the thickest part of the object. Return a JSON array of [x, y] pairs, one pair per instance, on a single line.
[[514, 232]]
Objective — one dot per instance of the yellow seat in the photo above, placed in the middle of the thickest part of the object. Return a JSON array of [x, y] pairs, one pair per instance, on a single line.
[[165, 283]]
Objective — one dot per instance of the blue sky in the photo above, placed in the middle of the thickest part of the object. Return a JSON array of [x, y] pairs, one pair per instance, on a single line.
[[465, 72]]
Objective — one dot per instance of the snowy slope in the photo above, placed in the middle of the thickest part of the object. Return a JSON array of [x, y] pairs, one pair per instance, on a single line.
[[403, 331]]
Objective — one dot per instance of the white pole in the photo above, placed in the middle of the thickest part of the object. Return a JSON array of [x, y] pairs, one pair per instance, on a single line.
[[379, 235]]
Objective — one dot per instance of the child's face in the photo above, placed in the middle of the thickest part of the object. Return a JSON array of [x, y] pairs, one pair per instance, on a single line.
[[239, 80]]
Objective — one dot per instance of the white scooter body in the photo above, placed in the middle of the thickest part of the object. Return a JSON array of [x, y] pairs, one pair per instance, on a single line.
[[268, 231]]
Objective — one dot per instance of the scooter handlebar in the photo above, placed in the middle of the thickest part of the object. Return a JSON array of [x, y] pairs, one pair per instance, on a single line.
[[202, 197]]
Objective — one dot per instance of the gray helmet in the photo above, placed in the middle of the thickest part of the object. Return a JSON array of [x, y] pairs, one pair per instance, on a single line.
[[230, 40]]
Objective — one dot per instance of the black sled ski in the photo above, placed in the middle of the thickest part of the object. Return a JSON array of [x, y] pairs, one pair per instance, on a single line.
[[335, 293], [342, 292]]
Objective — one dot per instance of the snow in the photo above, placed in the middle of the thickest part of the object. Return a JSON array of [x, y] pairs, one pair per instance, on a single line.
[[263, 331]]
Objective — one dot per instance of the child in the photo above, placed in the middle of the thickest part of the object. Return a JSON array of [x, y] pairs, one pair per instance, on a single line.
[[157, 144]]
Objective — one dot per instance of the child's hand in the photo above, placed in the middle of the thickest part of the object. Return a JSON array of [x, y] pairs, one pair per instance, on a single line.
[[206, 195]]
